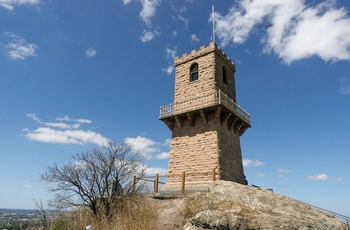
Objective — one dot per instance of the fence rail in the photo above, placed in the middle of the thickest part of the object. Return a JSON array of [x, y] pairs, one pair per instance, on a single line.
[[212, 99], [182, 175]]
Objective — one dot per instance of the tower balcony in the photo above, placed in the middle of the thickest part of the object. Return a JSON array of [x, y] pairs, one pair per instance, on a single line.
[[226, 110]]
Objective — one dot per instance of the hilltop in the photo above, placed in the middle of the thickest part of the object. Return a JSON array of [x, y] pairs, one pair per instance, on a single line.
[[229, 205], [221, 205]]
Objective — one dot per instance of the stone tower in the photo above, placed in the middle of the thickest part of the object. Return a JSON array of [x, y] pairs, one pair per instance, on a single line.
[[205, 120]]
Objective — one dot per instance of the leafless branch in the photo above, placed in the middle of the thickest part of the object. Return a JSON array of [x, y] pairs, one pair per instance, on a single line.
[[95, 178]]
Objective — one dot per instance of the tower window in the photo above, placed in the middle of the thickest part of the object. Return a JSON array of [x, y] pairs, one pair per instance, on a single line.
[[224, 75], [194, 72]]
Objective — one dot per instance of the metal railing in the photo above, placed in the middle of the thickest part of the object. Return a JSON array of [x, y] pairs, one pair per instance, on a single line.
[[217, 98], [346, 219]]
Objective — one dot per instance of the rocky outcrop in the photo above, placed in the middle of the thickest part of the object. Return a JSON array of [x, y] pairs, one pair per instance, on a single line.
[[229, 205]]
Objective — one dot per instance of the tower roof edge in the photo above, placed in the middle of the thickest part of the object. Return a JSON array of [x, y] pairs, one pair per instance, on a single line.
[[203, 50]]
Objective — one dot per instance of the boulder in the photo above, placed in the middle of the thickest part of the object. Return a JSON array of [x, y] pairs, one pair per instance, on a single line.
[[229, 205]]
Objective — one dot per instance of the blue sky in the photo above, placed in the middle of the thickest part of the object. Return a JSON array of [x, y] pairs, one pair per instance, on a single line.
[[77, 73]]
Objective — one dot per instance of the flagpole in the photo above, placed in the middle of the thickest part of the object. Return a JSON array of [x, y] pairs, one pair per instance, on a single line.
[[213, 18]]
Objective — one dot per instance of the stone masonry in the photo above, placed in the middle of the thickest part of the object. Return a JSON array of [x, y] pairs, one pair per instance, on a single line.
[[210, 61], [202, 136]]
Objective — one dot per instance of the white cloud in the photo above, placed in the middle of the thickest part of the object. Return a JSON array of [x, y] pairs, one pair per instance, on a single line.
[[64, 132], [83, 121], [170, 56], [161, 171], [184, 20], [143, 145], [34, 117], [28, 185], [49, 135], [180, 14], [282, 170], [260, 174], [248, 163], [318, 177], [147, 147], [345, 89], [62, 125], [126, 2], [9, 4], [18, 48], [149, 35], [80, 120], [297, 30], [65, 118], [345, 86], [80, 164], [90, 52], [148, 10], [167, 142], [170, 53], [168, 69], [162, 156], [194, 38]]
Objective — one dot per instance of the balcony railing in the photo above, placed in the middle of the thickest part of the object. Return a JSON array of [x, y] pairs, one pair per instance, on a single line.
[[217, 98]]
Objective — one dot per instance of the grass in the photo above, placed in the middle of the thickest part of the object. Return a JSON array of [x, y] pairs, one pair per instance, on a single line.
[[135, 212]]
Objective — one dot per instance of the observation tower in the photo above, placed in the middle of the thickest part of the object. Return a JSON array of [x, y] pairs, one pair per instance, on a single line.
[[205, 121]]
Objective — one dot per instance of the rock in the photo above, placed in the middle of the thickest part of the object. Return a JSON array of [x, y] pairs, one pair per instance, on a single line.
[[212, 219], [235, 206], [170, 214], [229, 205]]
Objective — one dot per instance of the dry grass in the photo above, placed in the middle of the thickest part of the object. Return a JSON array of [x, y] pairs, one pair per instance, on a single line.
[[136, 212]]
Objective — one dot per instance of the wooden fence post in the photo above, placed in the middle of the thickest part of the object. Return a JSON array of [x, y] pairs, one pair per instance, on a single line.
[[156, 183], [213, 174], [183, 182], [134, 184]]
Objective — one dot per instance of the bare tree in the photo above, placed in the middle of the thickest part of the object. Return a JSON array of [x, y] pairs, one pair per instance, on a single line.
[[96, 178], [44, 215]]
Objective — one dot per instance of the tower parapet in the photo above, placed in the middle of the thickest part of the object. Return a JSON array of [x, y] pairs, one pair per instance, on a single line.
[[202, 51]]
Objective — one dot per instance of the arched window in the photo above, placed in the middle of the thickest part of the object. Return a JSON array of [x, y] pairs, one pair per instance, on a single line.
[[194, 72], [224, 75]]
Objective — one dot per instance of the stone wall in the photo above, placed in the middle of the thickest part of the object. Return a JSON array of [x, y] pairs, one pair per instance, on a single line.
[[230, 88], [186, 90], [193, 150], [210, 60], [202, 148], [230, 156]]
